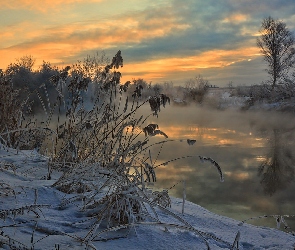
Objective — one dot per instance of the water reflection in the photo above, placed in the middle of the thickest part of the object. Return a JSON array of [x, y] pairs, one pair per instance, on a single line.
[[277, 171], [241, 143]]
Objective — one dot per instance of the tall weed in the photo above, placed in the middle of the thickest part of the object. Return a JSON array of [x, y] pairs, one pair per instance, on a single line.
[[102, 147]]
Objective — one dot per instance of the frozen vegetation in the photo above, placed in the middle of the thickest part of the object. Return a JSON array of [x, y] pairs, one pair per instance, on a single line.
[[35, 215], [77, 178]]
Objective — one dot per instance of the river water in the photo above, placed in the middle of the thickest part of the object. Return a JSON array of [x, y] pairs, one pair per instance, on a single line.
[[255, 150]]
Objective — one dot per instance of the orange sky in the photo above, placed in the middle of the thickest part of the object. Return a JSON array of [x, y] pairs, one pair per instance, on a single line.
[[160, 41]]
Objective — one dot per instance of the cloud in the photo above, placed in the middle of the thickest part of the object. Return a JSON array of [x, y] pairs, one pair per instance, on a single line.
[[189, 65], [236, 18], [123, 29], [91, 34], [163, 39], [44, 6]]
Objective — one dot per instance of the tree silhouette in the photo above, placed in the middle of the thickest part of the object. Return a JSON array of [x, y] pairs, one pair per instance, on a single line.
[[276, 45]]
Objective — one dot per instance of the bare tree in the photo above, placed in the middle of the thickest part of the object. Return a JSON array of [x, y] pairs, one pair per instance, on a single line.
[[196, 88], [199, 82], [276, 45], [157, 88]]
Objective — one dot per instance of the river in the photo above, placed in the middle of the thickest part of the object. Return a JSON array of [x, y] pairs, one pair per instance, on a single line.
[[255, 151]]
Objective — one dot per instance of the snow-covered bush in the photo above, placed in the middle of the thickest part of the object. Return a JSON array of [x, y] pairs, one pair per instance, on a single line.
[[102, 148]]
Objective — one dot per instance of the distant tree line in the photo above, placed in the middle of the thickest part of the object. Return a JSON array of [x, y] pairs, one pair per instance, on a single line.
[[38, 88]]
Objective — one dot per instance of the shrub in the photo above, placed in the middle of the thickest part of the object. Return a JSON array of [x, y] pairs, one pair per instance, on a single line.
[[103, 152]]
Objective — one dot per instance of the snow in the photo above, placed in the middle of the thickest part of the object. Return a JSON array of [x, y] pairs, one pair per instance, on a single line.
[[52, 220]]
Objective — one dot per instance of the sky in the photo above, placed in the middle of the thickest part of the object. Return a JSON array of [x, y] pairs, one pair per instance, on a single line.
[[161, 41]]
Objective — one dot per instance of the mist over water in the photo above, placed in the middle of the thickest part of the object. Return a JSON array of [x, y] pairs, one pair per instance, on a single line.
[[254, 149]]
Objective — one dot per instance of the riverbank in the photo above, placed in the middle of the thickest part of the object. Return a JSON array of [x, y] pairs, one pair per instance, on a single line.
[[32, 217]]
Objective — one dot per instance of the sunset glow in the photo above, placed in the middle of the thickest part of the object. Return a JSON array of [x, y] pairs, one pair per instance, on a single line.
[[162, 41]]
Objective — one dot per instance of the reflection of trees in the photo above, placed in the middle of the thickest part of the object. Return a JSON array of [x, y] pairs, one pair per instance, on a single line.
[[278, 169]]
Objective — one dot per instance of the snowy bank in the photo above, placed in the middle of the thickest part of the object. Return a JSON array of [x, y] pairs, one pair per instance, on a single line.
[[35, 215]]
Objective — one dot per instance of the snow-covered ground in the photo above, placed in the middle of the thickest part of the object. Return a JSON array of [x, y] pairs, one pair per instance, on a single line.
[[224, 98], [50, 220]]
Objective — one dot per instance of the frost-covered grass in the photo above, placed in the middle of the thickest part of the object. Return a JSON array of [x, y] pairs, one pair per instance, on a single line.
[[80, 181], [34, 214]]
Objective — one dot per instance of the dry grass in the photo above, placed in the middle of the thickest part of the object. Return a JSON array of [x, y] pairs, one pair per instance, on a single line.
[[100, 151]]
